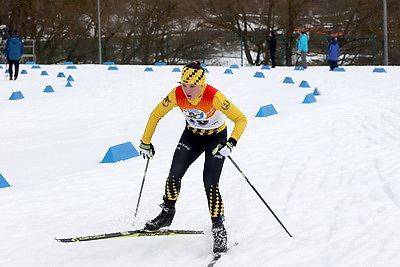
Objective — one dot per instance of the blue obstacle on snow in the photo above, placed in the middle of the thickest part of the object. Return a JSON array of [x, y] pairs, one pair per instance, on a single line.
[[113, 68], [68, 63], [44, 73], [206, 70], [259, 74], [160, 64], [204, 65], [148, 69], [30, 63], [234, 66], [48, 89], [17, 95], [61, 75], [228, 71], [310, 98], [266, 111], [3, 182], [109, 63], [70, 79], [316, 92], [304, 84], [265, 67], [1, 67], [299, 68], [381, 70], [176, 70], [23, 72], [339, 69], [69, 84], [71, 67], [35, 67], [120, 152], [288, 80]]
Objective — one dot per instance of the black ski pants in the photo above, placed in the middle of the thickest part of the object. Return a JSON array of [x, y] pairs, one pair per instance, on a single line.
[[191, 145], [14, 63]]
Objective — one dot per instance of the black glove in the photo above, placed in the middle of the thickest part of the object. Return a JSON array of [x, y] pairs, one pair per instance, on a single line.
[[226, 148], [146, 150]]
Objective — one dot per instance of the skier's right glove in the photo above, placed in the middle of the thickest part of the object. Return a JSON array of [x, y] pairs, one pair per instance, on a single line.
[[146, 150]]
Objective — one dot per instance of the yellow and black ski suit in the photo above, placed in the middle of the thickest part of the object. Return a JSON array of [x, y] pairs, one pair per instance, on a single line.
[[205, 129]]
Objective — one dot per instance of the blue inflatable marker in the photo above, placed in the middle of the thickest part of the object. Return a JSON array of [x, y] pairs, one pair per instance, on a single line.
[[109, 63], [304, 84], [234, 66], [70, 79], [176, 70], [288, 80], [228, 71], [298, 68], [266, 111], [22, 72], [35, 67], [71, 67], [160, 64], [17, 95], [44, 73], [265, 67], [61, 75], [68, 63], [148, 69], [112, 68], [120, 152], [30, 63], [3, 182], [48, 89], [339, 69], [259, 74], [69, 84], [379, 70], [316, 92], [310, 98]]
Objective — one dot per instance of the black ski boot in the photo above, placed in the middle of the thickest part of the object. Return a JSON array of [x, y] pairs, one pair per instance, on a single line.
[[162, 220], [220, 237]]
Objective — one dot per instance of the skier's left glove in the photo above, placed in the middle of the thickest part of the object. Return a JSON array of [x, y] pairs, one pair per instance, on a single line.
[[226, 148]]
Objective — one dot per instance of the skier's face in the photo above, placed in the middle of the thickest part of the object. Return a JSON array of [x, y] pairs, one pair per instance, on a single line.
[[191, 91]]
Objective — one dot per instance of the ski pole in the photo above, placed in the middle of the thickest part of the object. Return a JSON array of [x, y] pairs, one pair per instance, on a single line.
[[141, 188], [258, 194]]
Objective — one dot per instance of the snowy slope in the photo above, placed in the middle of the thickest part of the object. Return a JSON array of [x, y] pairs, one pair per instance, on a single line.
[[329, 170]]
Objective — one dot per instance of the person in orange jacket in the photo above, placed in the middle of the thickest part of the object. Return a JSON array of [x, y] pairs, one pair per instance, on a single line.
[[205, 109]]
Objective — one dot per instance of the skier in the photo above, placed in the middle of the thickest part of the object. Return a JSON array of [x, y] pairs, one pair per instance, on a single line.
[[13, 51], [203, 107]]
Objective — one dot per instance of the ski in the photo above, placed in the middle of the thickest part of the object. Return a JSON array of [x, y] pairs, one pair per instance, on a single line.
[[218, 255], [132, 233]]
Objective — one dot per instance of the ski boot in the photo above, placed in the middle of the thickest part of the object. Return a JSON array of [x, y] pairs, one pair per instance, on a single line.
[[162, 220], [220, 237]]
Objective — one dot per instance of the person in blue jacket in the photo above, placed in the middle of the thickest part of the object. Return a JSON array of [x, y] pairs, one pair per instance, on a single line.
[[333, 53], [13, 52], [302, 47]]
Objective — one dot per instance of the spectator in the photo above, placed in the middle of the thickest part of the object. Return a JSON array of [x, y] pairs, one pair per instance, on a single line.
[[333, 53], [272, 47], [302, 47], [13, 51]]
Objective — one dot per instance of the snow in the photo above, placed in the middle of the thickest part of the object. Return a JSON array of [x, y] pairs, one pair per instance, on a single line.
[[329, 170]]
